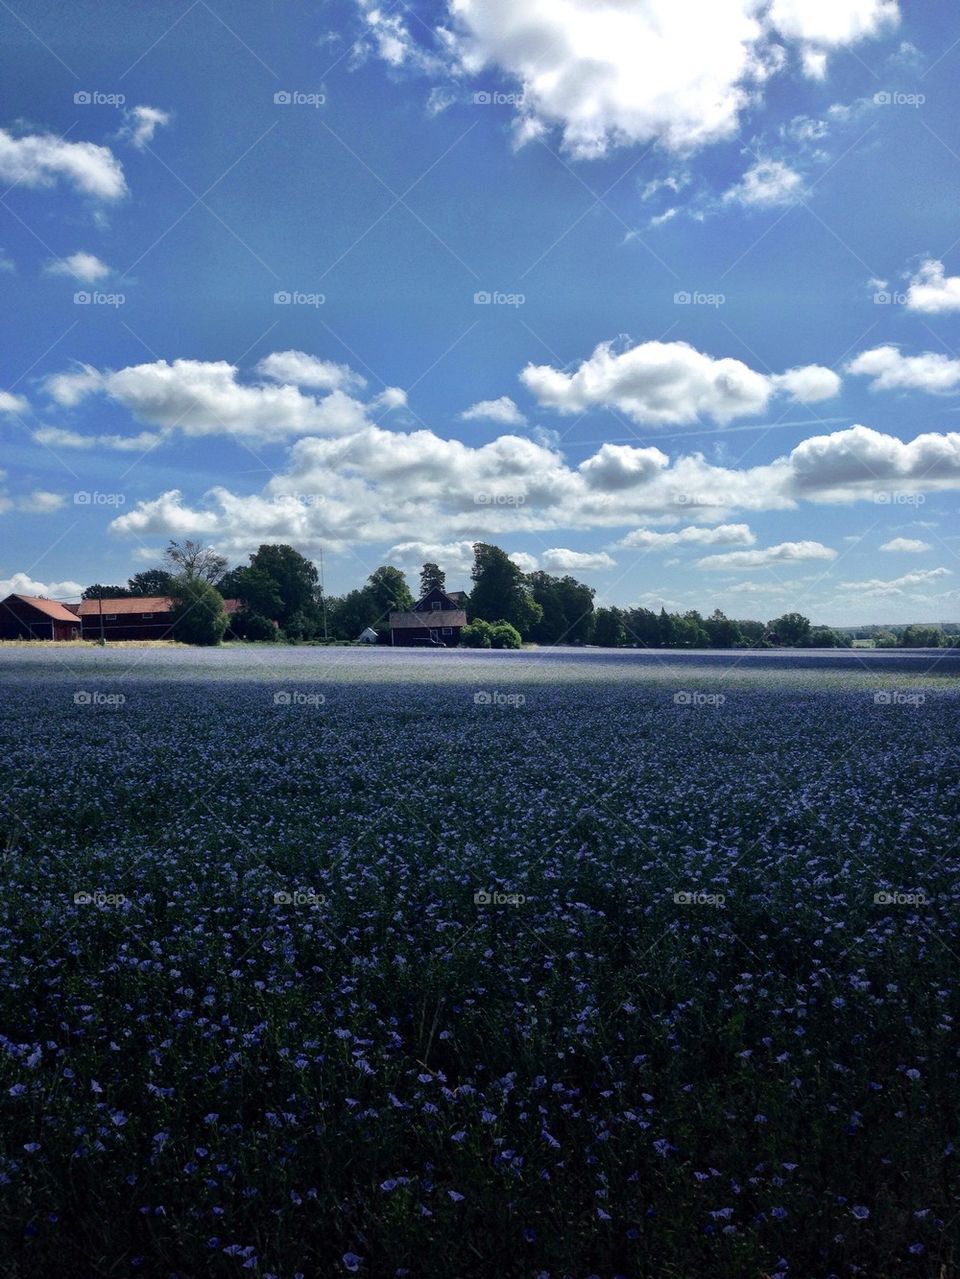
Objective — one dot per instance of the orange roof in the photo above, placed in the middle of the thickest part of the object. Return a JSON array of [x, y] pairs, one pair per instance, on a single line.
[[50, 607], [128, 604]]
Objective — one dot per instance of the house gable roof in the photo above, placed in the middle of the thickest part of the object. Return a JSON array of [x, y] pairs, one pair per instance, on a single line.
[[49, 607]]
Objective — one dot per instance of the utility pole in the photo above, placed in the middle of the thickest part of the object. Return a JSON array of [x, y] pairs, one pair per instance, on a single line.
[[100, 610], [323, 595]]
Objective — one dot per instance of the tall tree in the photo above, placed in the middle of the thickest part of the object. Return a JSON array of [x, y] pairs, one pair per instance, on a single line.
[[432, 575], [296, 582], [387, 589], [792, 629], [152, 581], [198, 613], [500, 591], [190, 558], [608, 629], [99, 592]]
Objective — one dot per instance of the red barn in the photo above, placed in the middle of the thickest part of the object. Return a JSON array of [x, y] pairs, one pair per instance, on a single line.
[[134, 617], [435, 619], [33, 617]]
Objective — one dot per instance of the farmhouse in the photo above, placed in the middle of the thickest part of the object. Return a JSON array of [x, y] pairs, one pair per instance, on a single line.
[[437, 617], [32, 617], [135, 617]]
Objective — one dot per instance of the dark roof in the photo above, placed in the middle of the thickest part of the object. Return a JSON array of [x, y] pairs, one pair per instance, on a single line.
[[441, 617], [50, 607]]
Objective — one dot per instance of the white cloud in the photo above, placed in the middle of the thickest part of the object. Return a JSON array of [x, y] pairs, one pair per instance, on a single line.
[[784, 553], [861, 462], [766, 184], [299, 369], [455, 558], [55, 437], [10, 403], [23, 584], [40, 502], [561, 560], [911, 545], [663, 383], [692, 535], [201, 397], [82, 266], [502, 410], [7, 264], [612, 73], [141, 123], [891, 371], [908, 583], [622, 466], [40, 160], [932, 291]]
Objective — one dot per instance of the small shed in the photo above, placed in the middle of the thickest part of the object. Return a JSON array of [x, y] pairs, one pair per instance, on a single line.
[[368, 636]]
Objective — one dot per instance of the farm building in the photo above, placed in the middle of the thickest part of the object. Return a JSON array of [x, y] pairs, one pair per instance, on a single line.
[[368, 636], [32, 617], [436, 617], [134, 617]]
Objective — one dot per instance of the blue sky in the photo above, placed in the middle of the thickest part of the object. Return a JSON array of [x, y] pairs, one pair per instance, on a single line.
[[245, 253]]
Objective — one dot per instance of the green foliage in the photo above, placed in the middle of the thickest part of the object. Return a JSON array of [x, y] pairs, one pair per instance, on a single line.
[[296, 583], [192, 559], [721, 631], [198, 613], [253, 626], [388, 591], [478, 634], [152, 581], [100, 592], [567, 609], [432, 575], [791, 630], [501, 591], [608, 628], [503, 635]]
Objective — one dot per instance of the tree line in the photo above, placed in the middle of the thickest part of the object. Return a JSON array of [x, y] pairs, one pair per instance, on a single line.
[[281, 599]]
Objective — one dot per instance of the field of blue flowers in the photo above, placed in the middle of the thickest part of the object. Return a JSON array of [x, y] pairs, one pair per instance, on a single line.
[[431, 965]]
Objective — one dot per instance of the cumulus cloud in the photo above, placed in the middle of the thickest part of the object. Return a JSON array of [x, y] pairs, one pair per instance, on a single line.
[[55, 437], [453, 557], [932, 291], [23, 584], [671, 383], [692, 535], [911, 545], [201, 397], [86, 267], [862, 462], [907, 584], [300, 369], [892, 371], [42, 159], [784, 553], [10, 403], [607, 73], [561, 560], [766, 184], [141, 123], [40, 502], [502, 410]]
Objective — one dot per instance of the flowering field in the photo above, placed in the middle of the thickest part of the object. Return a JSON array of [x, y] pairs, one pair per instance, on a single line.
[[334, 965]]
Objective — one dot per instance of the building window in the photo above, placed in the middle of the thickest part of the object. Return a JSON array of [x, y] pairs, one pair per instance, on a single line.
[[433, 632], [448, 630], [436, 606], [147, 617], [109, 617]]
